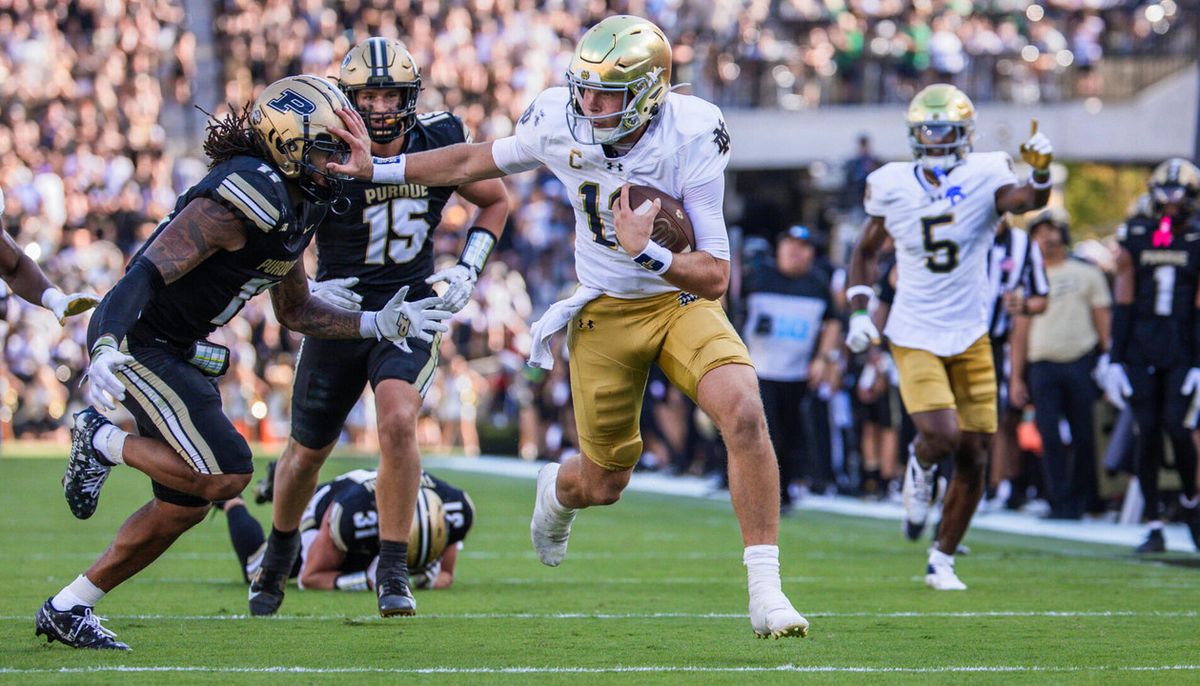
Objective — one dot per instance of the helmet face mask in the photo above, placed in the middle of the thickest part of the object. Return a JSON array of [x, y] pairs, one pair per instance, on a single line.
[[941, 127], [382, 63], [292, 118], [1174, 187], [622, 54]]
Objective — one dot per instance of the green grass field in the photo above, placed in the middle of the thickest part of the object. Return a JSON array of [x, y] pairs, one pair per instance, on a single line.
[[652, 591]]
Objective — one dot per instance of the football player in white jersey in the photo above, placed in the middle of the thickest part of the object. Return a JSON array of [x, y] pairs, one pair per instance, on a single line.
[[941, 211], [618, 124]]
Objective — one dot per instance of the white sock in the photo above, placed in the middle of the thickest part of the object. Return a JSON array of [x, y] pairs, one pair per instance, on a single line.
[[81, 591], [937, 557], [1156, 525], [762, 568], [110, 441], [550, 502]]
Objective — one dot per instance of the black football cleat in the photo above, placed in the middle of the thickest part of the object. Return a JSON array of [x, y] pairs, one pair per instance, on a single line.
[[264, 490], [1154, 543], [395, 600], [266, 589], [77, 627], [85, 473]]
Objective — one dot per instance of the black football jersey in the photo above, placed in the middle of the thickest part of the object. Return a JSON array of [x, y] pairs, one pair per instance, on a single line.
[[354, 519], [277, 233], [384, 239], [1165, 278]]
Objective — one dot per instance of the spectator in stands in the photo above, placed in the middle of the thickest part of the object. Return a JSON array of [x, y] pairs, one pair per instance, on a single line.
[[793, 334], [1063, 342]]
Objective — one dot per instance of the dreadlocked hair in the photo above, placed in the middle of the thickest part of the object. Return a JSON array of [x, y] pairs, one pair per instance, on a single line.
[[231, 136]]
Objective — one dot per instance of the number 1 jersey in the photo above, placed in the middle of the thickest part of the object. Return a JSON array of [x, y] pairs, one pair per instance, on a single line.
[[384, 239], [1166, 270], [943, 236]]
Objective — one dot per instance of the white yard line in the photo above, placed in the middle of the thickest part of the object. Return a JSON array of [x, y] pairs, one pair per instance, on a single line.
[[820, 669], [1048, 614]]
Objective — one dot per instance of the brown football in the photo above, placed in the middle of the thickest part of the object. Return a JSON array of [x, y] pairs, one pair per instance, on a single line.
[[672, 228]]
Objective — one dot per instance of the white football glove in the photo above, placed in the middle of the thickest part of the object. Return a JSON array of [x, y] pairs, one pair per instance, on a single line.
[[1116, 385], [1191, 383], [861, 332], [67, 305], [337, 292], [419, 319], [461, 281], [1100, 372], [104, 389]]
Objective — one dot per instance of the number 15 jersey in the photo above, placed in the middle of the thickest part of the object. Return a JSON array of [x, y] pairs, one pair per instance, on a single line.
[[943, 236]]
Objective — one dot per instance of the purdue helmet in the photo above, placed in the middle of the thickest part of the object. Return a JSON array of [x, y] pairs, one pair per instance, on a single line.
[[383, 63], [621, 54], [291, 118], [1174, 182], [429, 534], [941, 126]]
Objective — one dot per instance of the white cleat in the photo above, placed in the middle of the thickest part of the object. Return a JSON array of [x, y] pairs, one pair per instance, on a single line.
[[920, 485], [549, 531], [940, 576], [772, 616]]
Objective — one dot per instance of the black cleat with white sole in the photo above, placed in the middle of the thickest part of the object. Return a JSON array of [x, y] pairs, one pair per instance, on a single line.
[[77, 627], [266, 589], [395, 599]]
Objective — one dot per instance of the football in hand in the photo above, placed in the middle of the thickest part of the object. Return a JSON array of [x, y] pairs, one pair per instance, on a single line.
[[672, 228]]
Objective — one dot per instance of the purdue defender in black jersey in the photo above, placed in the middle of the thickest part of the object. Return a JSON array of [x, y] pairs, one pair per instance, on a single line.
[[238, 232], [339, 534], [1155, 356], [381, 243]]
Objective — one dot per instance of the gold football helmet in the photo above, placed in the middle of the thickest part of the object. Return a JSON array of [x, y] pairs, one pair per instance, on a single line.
[[383, 63], [292, 118], [1174, 182], [621, 54], [429, 535], [941, 126]]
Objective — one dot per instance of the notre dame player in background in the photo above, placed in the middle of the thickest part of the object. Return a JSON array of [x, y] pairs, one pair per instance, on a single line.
[[1155, 356], [339, 534], [381, 244], [236, 233]]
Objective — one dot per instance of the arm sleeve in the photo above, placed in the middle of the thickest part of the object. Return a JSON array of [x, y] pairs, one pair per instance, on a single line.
[[123, 304], [705, 207]]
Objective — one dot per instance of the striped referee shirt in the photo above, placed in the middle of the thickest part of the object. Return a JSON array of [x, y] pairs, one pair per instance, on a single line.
[[1016, 263]]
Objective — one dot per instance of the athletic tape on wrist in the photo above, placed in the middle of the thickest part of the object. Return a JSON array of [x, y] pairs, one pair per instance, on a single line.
[[478, 248], [655, 258], [388, 169]]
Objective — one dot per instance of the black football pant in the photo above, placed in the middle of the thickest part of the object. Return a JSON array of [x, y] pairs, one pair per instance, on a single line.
[[1157, 406], [1065, 390]]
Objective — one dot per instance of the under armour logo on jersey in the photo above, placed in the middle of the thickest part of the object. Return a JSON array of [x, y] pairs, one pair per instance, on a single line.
[[615, 165], [686, 298], [721, 138], [588, 324]]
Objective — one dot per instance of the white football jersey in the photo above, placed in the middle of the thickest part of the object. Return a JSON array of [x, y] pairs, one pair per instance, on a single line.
[[943, 236], [685, 146]]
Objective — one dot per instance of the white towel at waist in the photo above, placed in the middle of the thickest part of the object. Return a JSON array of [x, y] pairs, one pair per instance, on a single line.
[[554, 320]]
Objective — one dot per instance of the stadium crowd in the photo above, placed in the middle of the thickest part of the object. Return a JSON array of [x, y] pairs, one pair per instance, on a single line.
[[97, 134]]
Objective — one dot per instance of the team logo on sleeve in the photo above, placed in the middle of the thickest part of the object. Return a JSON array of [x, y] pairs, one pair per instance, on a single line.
[[721, 138]]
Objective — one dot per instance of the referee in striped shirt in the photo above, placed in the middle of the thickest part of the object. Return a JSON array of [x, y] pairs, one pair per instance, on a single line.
[[1018, 279]]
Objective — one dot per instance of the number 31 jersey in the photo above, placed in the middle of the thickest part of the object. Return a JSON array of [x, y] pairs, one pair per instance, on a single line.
[[1166, 270], [685, 146], [943, 236], [384, 238]]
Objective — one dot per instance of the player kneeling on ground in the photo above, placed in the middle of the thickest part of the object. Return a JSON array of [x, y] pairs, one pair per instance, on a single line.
[[240, 231], [339, 534]]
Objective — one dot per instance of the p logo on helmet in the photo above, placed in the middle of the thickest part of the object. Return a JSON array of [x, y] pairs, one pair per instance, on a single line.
[[291, 101]]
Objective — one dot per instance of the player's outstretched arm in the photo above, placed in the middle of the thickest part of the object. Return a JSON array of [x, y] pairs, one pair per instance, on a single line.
[[452, 165], [27, 280], [1034, 193]]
